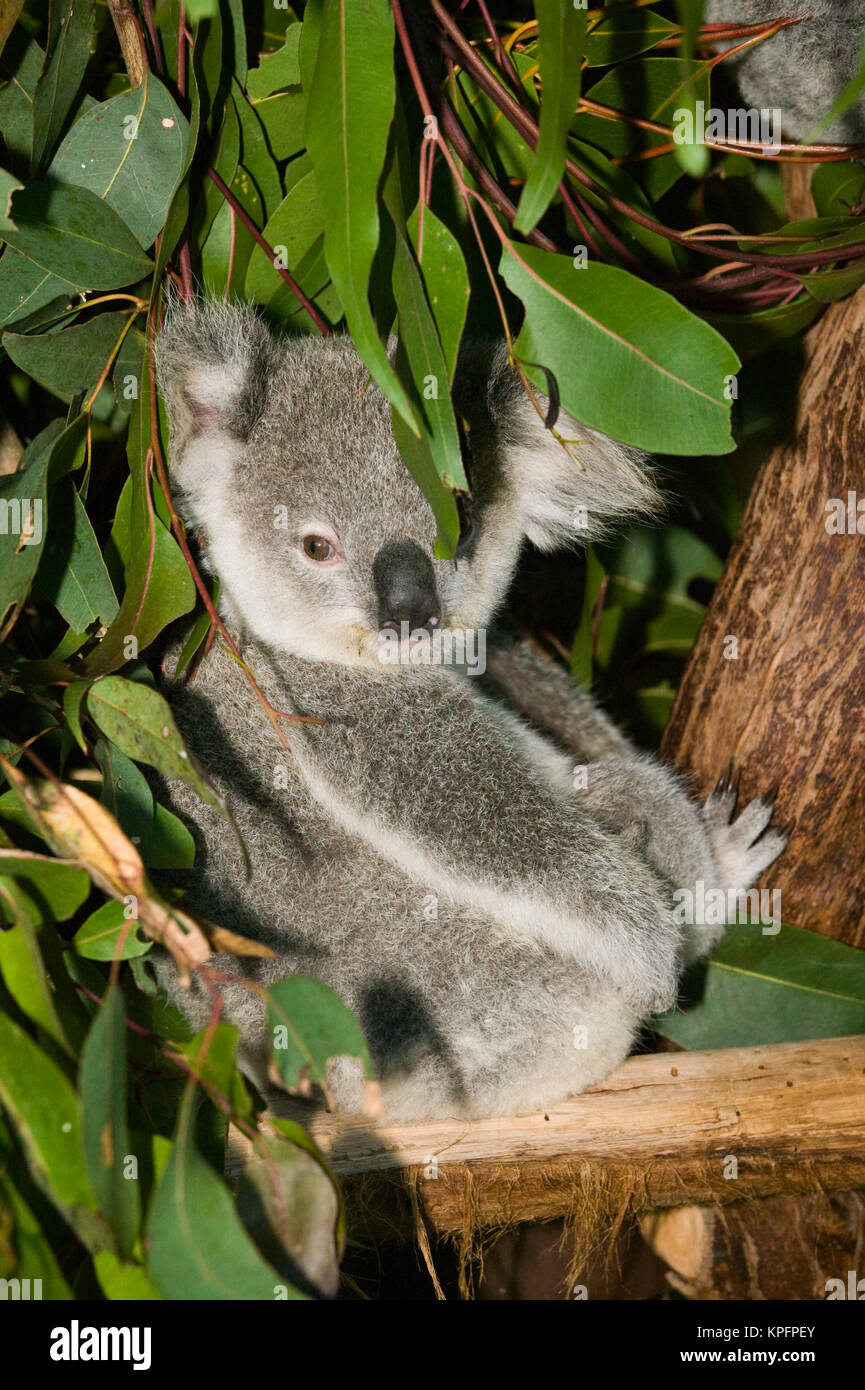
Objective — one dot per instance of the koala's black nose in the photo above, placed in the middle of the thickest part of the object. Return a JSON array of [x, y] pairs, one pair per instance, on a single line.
[[405, 586]]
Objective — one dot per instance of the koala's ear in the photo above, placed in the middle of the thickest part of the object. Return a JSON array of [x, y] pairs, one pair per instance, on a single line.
[[572, 483], [212, 366]]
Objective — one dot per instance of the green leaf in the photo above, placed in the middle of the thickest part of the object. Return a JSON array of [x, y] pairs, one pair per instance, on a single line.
[[256, 155], [131, 152], [53, 889], [127, 1283], [70, 34], [434, 459], [171, 845], [198, 1249], [582, 649], [74, 236], [309, 1024], [291, 231], [211, 1054], [69, 361], [140, 722], [20, 66], [277, 70], [25, 287], [97, 938], [284, 119], [658, 372], [313, 277], [226, 253], [351, 106], [36, 1259], [561, 33], [102, 1085], [72, 698], [22, 507], [754, 333], [72, 573], [446, 280], [22, 966], [622, 35], [158, 585], [786, 987], [837, 188], [653, 89], [197, 634], [126, 794], [830, 284], [620, 182], [290, 1206], [8, 185], [43, 1106]]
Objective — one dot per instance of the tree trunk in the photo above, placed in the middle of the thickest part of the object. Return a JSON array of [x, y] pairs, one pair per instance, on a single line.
[[776, 680], [776, 683]]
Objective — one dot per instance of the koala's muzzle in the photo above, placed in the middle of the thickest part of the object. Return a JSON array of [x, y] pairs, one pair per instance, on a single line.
[[405, 586]]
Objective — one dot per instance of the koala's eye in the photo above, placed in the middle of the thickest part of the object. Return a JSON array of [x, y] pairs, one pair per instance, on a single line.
[[317, 548]]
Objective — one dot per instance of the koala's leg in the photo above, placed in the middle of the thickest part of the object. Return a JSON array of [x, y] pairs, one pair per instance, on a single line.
[[511, 1045]]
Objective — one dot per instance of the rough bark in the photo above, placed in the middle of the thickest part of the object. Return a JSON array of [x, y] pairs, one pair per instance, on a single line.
[[786, 706]]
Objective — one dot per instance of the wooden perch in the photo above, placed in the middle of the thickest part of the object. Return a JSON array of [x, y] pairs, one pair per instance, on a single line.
[[660, 1131]]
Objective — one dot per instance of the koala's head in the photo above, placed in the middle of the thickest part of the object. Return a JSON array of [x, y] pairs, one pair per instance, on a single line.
[[285, 462]]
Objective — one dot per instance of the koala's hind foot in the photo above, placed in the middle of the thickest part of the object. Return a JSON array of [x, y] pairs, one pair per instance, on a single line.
[[744, 848]]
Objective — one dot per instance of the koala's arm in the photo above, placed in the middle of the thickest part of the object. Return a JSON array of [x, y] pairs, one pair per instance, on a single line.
[[542, 691], [428, 771]]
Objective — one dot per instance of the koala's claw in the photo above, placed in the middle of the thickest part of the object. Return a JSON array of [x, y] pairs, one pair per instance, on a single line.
[[744, 847]]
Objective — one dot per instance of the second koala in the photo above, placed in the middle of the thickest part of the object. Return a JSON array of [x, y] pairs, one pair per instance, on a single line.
[[500, 936]]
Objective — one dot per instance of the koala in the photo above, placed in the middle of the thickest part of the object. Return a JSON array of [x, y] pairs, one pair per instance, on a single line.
[[422, 849], [803, 68]]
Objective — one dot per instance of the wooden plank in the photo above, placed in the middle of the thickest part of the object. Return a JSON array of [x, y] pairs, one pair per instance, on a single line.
[[663, 1130]]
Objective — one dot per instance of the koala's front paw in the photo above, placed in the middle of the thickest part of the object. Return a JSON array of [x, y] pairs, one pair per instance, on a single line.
[[743, 847]]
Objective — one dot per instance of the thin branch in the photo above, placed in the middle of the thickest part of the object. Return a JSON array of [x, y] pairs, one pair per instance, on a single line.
[[270, 253], [131, 40]]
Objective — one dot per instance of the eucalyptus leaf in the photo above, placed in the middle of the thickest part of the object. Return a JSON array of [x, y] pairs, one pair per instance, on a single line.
[[22, 967], [278, 69], [561, 36], [98, 937], [309, 1024], [77, 238], [131, 152], [658, 372], [770, 985], [72, 572], [111, 1169], [26, 287], [197, 1248], [348, 120], [617, 36], [140, 722], [71, 26], [43, 1105]]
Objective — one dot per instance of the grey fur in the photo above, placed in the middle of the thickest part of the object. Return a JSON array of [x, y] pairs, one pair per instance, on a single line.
[[423, 850], [802, 69]]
